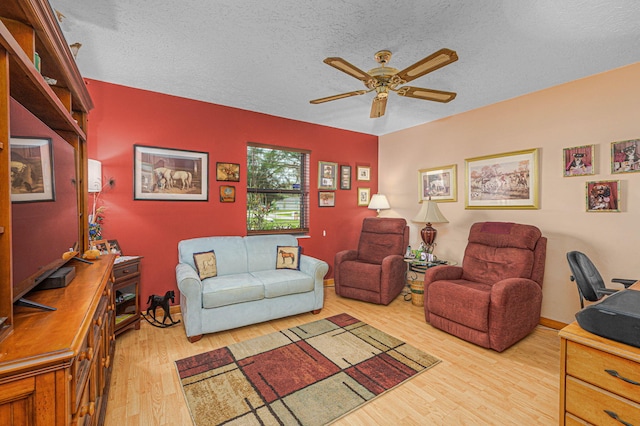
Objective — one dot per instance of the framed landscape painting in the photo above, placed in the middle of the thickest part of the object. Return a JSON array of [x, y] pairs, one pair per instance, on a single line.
[[170, 174], [438, 184], [502, 181]]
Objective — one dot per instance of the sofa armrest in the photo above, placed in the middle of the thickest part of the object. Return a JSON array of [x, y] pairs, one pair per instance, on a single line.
[[314, 267], [317, 269], [190, 288]]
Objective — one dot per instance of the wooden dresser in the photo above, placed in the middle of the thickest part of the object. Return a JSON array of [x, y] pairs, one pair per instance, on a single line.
[[599, 379], [56, 365]]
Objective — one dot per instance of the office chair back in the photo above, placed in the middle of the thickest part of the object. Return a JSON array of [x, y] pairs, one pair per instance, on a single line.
[[584, 273]]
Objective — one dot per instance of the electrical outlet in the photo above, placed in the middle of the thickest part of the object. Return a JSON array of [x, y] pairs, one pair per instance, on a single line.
[[324, 233]]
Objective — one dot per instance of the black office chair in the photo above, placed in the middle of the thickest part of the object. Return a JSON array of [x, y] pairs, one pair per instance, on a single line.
[[590, 284]]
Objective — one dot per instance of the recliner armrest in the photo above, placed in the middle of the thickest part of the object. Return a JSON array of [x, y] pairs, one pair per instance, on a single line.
[[625, 282]]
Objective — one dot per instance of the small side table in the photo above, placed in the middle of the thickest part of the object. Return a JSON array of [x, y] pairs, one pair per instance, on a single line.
[[126, 281], [415, 278]]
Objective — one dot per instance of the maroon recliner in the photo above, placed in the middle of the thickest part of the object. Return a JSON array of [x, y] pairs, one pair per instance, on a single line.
[[494, 299], [376, 272]]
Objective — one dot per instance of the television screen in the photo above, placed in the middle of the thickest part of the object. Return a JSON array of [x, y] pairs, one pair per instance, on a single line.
[[44, 206]]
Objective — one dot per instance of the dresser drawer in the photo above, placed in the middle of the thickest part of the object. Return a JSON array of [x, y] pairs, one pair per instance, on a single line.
[[597, 406], [591, 365], [125, 271]]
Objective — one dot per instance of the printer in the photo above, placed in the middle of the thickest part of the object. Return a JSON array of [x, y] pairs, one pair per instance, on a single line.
[[617, 317]]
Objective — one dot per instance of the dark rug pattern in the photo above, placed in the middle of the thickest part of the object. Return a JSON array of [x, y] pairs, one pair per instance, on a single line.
[[309, 375]]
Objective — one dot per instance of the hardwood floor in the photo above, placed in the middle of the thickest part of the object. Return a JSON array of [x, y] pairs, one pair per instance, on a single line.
[[471, 386]]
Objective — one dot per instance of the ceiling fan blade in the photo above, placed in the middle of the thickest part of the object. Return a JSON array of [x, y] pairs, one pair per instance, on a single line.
[[431, 63], [340, 96], [426, 94], [378, 106], [346, 67]]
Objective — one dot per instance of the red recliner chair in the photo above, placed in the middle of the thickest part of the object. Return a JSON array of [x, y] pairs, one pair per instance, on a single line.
[[494, 299], [376, 272]]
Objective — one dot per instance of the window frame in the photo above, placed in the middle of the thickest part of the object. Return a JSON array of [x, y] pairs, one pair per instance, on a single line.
[[303, 192]]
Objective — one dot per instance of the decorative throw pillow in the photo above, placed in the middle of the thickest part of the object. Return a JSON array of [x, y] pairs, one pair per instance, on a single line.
[[288, 257], [206, 264]]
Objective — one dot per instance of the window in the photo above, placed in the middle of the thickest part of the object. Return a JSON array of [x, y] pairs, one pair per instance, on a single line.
[[277, 189]]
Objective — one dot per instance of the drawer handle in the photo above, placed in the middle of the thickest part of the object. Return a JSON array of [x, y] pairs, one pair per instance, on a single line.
[[88, 355], [614, 373], [614, 416]]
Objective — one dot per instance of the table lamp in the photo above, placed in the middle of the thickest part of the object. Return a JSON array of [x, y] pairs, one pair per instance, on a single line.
[[429, 213], [379, 202]]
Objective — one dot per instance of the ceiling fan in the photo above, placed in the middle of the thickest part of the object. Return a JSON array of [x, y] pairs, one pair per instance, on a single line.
[[384, 79]]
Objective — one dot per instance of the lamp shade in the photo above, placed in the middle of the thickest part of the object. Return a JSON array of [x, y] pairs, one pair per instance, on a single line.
[[95, 176], [379, 202], [429, 213]]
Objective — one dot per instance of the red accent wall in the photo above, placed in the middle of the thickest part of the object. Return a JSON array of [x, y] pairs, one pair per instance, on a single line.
[[125, 116]]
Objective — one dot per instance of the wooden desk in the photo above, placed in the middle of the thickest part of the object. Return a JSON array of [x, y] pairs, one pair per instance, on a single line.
[[599, 379]]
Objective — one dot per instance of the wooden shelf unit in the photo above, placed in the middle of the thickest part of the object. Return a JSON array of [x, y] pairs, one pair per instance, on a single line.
[[27, 27]]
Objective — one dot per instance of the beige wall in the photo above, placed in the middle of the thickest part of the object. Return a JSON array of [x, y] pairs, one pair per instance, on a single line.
[[596, 110]]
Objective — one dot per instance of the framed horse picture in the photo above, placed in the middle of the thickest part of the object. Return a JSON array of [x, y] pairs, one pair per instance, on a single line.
[[438, 184], [170, 174]]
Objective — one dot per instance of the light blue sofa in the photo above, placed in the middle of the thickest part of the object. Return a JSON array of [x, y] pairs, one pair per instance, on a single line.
[[248, 288]]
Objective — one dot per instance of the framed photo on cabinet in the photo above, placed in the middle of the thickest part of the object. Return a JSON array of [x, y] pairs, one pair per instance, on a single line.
[[170, 174], [31, 170]]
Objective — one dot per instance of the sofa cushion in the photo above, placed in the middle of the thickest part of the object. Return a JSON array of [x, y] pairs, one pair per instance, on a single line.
[[231, 254], [462, 302], [283, 282], [231, 289], [261, 250], [288, 257], [205, 264]]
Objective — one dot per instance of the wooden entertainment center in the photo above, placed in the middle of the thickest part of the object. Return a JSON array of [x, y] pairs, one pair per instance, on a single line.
[[54, 365]]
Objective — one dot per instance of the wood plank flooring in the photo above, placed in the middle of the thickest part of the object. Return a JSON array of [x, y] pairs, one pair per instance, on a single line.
[[471, 386]]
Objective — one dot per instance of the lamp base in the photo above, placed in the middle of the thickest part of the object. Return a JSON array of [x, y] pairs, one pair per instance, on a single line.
[[428, 234]]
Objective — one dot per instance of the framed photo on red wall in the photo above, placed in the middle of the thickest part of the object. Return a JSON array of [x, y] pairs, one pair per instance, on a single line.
[[170, 174]]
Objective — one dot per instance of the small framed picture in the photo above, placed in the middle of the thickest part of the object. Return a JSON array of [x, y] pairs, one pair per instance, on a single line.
[[326, 199], [345, 177], [625, 157], [31, 170], [227, 194], [228, 172], [114, 247], [579, 160], [327, 175], [364, 173], [603, 196], [101, 245], [438, 184], [364, 195]]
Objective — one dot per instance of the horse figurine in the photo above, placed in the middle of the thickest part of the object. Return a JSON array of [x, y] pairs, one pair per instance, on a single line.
[[154, 301]]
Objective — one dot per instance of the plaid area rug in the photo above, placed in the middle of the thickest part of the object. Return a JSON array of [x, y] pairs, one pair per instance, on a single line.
[[309, 375]]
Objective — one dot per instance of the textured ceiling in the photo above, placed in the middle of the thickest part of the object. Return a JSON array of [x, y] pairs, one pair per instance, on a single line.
[[266, 55]]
